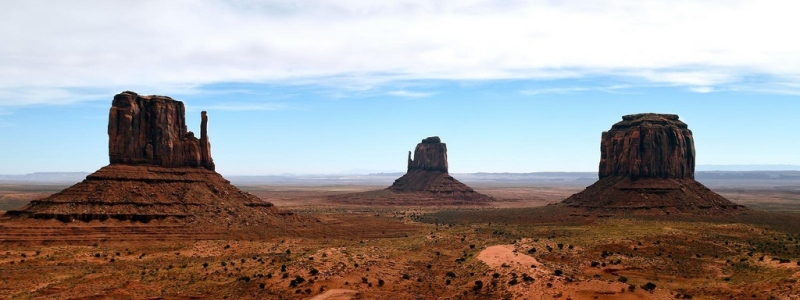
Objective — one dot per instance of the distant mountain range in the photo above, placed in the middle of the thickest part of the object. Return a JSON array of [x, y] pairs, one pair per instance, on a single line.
[[535, 178], [747, 168]]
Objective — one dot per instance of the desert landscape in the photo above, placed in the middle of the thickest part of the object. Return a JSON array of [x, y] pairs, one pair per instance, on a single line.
[[513, 246], [159, 223]]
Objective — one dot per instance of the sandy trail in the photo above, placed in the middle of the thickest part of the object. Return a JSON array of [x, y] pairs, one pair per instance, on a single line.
[[497, 255], [335, 294]]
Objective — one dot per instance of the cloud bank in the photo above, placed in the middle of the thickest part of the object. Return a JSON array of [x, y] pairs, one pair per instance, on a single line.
[[53, 50]]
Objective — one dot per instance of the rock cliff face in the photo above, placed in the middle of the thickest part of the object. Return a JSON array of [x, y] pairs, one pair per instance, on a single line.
[[151, 130], [648, 146], [647, 166], [430, 155], [158, 170]]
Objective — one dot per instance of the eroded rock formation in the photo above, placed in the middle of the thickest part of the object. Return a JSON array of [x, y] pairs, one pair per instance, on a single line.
[[427, 173], [151, 130], [430, 155], [647, 164], [648, 146], [158, 170]]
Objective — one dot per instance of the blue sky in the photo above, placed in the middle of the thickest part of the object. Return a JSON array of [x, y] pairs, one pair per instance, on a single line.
[[351, 86]]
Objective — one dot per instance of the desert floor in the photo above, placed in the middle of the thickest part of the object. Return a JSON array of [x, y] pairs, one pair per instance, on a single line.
[[515, 248]]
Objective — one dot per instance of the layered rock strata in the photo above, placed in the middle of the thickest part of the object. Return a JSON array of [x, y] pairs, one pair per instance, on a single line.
[[647, 164], [157, 170], [151, 130]]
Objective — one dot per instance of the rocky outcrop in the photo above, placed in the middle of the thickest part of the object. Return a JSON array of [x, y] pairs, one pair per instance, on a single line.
[[647, 146], [151, 130], [427, 173], [158, 170], [647, 165]]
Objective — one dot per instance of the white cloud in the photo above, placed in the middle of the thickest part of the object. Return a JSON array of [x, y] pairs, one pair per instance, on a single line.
[[237, 106], [545, 91], [410, 94], [52, 46]]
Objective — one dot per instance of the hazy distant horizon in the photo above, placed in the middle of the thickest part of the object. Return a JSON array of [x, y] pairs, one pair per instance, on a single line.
[[329, 86], [700, 168]]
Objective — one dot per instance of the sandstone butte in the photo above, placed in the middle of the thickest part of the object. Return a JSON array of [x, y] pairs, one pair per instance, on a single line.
[[426, 182], [427, 173], [158, 170], [647, 166]]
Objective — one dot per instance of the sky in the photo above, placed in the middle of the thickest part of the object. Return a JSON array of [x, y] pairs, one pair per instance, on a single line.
[[350, 86]]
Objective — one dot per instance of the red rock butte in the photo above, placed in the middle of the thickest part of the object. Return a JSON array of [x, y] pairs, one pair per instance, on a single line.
[[158, 170], [427, 173], [647, 165]]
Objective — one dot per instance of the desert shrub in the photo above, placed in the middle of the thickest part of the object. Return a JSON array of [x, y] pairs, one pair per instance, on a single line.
[[262, 285], [560, 246], [205, 265], [227, 247], [527, 278], [313, 272], [283, 268], [447, 282], [406, 277], [364, 280], [495, 275], [531, 250], [472, 246], [631, 287], [428, 266], [244, 278], [223, 263], [288, 251], [595, 264], [478, 285], [558, 272], [649, 286], [451, 274], [381, 282], [622, 279]]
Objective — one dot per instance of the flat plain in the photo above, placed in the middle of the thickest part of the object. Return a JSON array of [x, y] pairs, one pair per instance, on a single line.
[[517, 247]]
